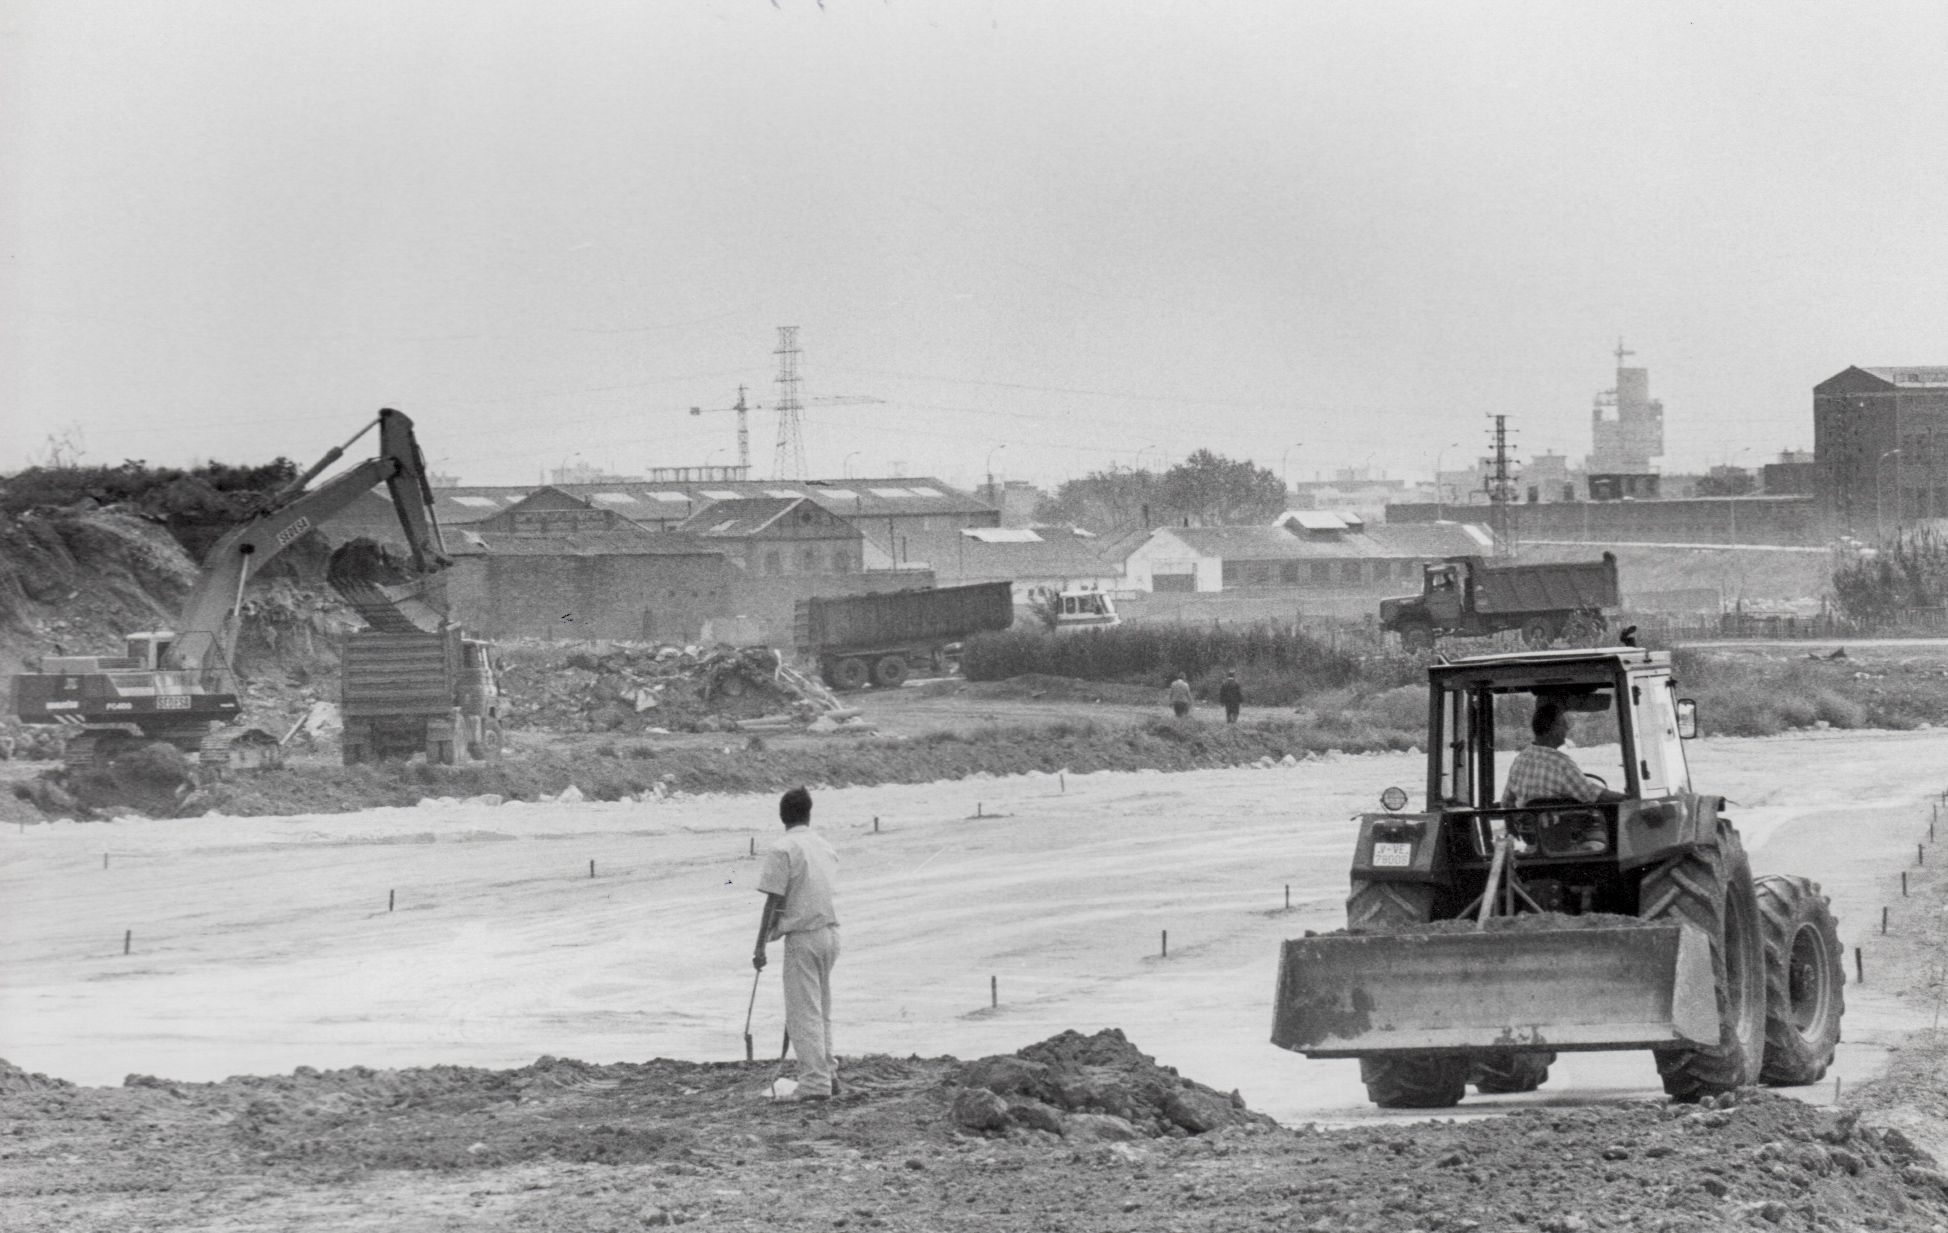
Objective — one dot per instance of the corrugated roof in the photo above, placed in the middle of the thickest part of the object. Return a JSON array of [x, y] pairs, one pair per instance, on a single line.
[[1421, 541], [660, 502], [739, 516], [1911, 374], [641, 543]]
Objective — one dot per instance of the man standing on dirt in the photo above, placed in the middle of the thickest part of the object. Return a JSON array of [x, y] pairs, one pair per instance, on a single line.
[[1231, 696], [1180, 696], [799, 877]]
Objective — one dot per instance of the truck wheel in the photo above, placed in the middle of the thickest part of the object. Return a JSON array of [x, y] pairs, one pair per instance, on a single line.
[[1416, 636], [849, 674], [1403, 1080], [1805, 973], [890, 671], [1712, 889], [1538, 632], [1506, 1070]]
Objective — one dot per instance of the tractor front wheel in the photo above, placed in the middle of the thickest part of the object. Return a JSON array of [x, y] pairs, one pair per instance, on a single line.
[[1805, 973], [1505, 1071], [1712, 889], [1404, 1080]]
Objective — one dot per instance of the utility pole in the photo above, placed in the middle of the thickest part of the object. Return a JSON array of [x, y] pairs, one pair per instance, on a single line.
[[790, 462], [1501, 485]]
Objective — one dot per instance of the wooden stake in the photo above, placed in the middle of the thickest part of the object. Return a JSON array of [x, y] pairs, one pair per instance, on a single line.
[[1883, 918], [977, 809], [754, 845], [1836, 1089], [875, 824], [1859, 968], [104, 860], [392, 897], [1903, 883], [591, 869], [128, 939], [1166, 944], [994, 992], [1060, 778]]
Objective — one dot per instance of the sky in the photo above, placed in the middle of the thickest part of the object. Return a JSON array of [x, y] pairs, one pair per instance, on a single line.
[[1046, 239]]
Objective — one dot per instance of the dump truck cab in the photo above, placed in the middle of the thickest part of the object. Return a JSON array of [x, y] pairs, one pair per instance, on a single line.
[[1494, 927]]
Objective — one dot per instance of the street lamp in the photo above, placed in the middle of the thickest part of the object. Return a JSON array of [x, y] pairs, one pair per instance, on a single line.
[[1879, 471], [845, 468], [990, 471], [1438, 494], [1282, 476]]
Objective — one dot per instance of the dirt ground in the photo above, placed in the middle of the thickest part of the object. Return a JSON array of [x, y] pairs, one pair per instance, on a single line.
[[422, 958]]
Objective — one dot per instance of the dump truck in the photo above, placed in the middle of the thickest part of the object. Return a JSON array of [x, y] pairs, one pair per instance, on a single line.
[[176, 685], [412, 681], [856, 639], [1486, 932], [1471, 597]]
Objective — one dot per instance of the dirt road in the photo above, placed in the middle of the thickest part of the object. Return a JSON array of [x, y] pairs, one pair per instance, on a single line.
[[260, 945]]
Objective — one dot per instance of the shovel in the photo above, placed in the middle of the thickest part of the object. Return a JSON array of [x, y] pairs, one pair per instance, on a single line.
[[778, 1080], [755, 977]]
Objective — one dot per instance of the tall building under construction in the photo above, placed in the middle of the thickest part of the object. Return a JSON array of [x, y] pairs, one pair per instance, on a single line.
[[1626, 424]]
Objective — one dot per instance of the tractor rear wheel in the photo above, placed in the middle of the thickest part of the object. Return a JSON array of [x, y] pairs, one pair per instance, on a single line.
[[1505, 1070], [1416, 636], [1404, 1080], [1538, 632], [1805, 973], [1712, 889]]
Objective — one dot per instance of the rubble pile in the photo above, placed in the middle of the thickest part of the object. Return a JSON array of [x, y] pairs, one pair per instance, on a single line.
[[634, 689]]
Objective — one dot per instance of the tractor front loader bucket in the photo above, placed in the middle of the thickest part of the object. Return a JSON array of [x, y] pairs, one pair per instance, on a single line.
[[1364, 995]]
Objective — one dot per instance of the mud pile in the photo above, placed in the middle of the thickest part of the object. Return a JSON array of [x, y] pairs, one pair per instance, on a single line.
[[629, 690], [1090, 1087], [1109, 1144]]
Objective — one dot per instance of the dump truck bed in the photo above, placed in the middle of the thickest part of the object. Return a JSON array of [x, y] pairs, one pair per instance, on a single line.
[[902, 618], [1562, 586]]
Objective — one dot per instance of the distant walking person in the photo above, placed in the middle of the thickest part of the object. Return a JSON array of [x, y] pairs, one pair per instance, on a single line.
[[1231, 696], [799, 878], [1180, 696]]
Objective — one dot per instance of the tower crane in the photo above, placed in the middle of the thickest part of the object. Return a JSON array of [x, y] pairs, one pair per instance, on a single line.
[[743, 406]]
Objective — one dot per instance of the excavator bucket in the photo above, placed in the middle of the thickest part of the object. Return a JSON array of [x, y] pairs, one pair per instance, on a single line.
[[384, 590], [1622, 987]]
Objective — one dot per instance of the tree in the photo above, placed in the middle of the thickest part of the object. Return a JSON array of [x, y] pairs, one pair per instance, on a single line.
[[1216, 490], [1103, 500]]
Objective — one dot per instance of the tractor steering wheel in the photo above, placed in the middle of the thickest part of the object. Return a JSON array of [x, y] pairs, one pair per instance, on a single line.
[[1599, 780]]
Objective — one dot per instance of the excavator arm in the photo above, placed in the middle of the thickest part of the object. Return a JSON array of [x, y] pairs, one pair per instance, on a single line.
[[206, 629]]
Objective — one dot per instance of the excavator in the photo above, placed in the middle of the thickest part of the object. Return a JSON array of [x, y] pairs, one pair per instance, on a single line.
[[177, 685]]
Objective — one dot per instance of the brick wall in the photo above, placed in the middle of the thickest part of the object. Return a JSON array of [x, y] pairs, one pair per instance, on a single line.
[[653, 598]]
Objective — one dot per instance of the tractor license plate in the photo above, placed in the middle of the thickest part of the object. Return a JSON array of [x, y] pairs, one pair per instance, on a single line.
[[1393, 855], [173, 702]]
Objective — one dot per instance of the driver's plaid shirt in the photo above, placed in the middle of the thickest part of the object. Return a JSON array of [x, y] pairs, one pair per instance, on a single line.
[[1542, 773]]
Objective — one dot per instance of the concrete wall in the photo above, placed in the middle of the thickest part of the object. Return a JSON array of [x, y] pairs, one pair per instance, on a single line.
[[1701, 520]]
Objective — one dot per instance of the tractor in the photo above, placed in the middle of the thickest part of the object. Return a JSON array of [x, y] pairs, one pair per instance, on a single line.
[[1493, 929]]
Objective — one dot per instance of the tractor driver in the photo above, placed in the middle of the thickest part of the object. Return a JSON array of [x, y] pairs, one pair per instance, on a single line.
[[1544, 772]]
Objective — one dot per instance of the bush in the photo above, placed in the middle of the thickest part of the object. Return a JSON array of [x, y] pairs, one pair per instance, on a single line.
[[1276, 664]]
